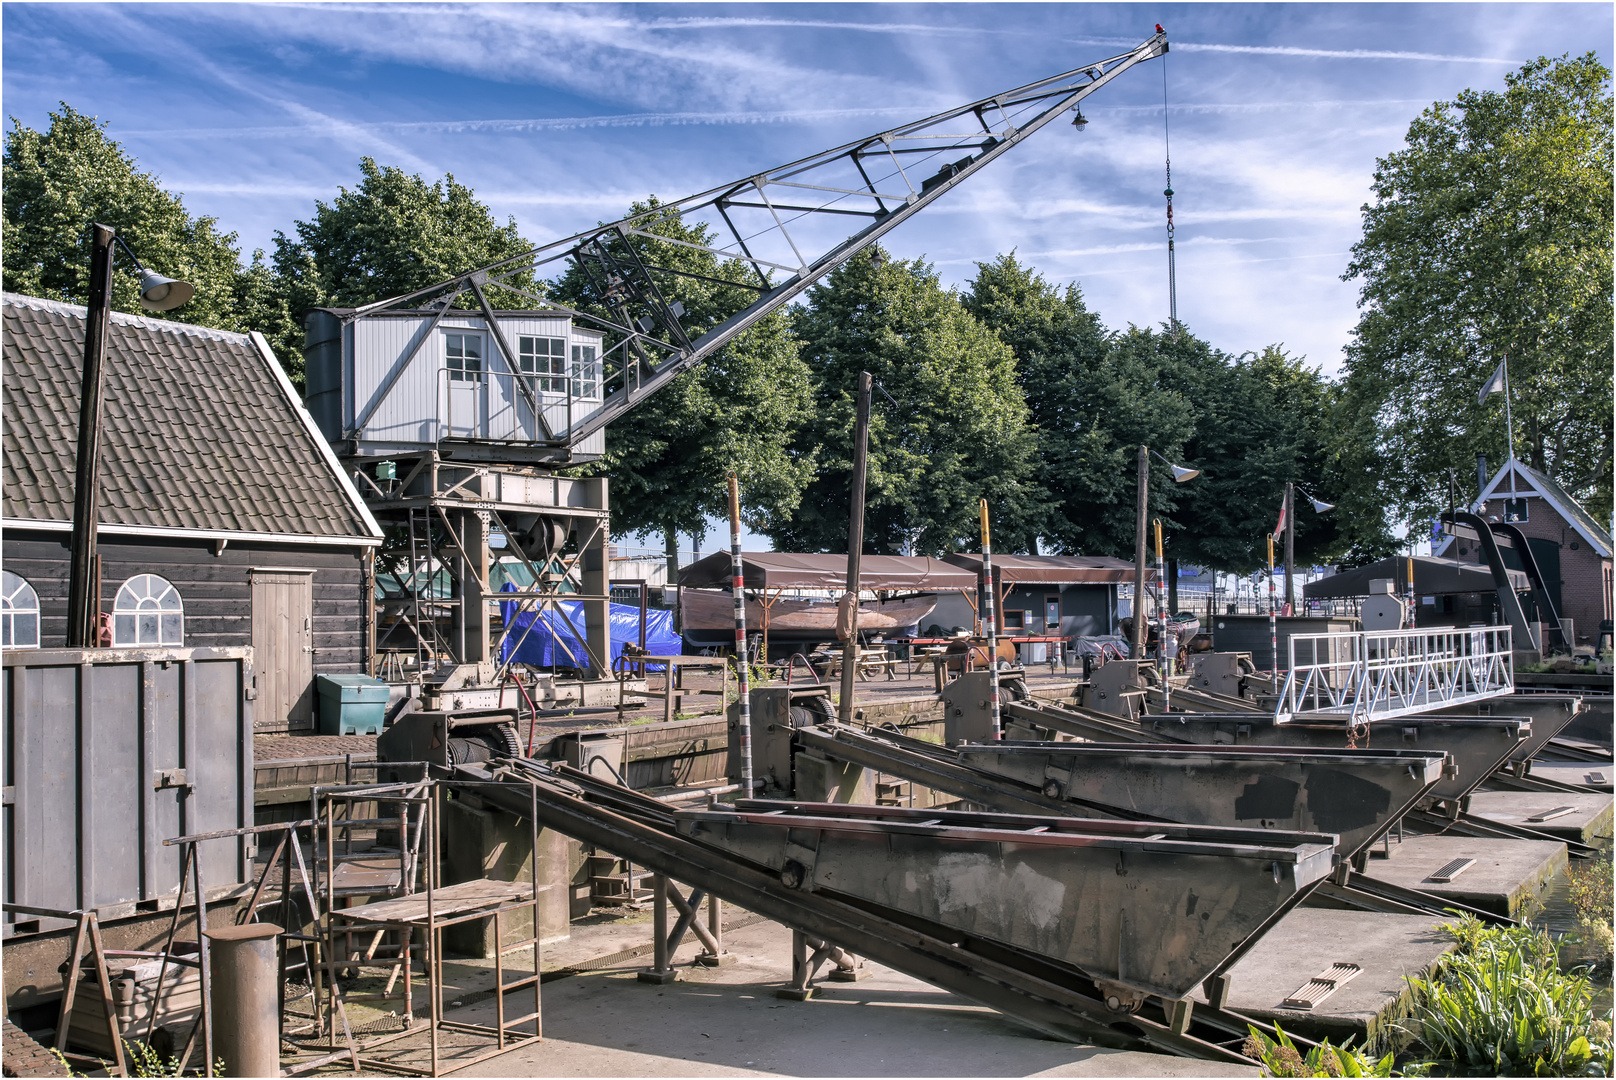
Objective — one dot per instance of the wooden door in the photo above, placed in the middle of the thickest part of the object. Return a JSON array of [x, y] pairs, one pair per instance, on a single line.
[[283, 648]]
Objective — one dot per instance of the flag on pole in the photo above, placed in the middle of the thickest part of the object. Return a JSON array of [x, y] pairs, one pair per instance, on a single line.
[[1493, 385], [1281, 526]]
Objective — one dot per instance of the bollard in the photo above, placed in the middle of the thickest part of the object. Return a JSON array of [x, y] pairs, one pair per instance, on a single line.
[[246, 1018]]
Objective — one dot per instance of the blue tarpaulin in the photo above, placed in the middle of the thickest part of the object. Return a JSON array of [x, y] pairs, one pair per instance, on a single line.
[[551, 643]]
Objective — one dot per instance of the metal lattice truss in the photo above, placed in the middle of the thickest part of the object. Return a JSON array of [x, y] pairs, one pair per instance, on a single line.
[[1365, 677], [785, 229]]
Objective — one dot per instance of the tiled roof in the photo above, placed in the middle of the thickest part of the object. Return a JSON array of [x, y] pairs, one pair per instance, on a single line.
[[198, 431]]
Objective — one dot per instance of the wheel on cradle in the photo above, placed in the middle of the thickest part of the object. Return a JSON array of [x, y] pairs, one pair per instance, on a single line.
[[819, 707]]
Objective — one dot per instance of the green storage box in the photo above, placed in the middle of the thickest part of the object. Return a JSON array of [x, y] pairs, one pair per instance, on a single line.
[[351, 704]]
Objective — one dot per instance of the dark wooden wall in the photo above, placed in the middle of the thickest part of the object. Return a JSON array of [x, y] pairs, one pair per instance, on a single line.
[[214, 588]]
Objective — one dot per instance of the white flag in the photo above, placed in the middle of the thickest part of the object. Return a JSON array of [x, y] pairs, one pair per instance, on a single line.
[[1494, 384]]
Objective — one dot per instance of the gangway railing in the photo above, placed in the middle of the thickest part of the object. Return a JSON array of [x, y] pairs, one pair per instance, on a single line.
[[1375, 676]]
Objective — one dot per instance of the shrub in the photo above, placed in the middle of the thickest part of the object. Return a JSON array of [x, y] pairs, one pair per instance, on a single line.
[[1282, 1058], [1501, 1007], [1590, 895]]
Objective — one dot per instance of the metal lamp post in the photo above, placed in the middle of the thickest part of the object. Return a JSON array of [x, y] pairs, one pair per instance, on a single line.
[[1180, 475], [157, 293]]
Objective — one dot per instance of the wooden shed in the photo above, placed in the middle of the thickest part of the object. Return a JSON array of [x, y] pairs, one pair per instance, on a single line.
[[225, 519]]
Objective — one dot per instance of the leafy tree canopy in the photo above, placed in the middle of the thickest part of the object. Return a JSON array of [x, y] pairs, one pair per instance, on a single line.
[[737, 411], [392, 233], [957, 434], [58, 183], [1262, 421], [1490, 236]]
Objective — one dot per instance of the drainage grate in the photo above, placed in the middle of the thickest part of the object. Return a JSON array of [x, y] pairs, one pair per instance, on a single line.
[[1548, 815], [1451, 870], [1322, 986]]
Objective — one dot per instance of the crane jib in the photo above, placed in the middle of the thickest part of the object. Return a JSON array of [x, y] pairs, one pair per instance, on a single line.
[[758, 223]]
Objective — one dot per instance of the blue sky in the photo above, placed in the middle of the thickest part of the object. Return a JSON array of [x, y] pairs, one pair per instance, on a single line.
[[559, 115]]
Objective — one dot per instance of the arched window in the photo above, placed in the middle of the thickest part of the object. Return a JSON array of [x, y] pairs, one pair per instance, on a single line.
[[148, 612], [19, 613]]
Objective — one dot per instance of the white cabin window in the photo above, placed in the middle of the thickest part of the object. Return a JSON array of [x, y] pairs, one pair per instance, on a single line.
[[545, 357], [465, 353], [148, 612], [585, 372], [19, 612]]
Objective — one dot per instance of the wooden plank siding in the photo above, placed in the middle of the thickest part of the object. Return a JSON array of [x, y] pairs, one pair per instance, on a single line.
[[215, 589]]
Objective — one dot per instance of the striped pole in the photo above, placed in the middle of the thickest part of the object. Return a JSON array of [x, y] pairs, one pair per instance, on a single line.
[[993, 632], [743, 682]]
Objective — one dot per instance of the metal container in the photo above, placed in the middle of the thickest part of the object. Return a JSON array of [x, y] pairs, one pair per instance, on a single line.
[[352, 704], [108, 752], [1249, 634]]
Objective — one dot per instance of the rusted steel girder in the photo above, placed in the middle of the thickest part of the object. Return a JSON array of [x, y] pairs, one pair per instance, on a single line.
[[1356, 794], [1153, 907], [1549, 715], [1477, 745], [1038, 991]]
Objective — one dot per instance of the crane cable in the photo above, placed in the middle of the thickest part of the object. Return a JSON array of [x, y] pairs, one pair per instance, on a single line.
[[1172, 270]]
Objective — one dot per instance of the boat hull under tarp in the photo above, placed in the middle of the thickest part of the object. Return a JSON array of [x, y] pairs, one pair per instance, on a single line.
[[705, 611]]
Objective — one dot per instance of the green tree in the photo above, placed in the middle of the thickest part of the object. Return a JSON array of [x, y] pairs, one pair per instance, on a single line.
[[1262, 420], [58, 182], [739, 410], [1490, 236], [958, 432], [391, 234]]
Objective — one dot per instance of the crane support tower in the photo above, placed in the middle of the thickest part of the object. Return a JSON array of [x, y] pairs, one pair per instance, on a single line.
[[452, 414]]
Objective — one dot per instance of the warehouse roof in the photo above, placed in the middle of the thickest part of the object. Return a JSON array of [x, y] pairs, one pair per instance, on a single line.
[[201, 432], [1057, 569], [1432, 577], [784, 570]]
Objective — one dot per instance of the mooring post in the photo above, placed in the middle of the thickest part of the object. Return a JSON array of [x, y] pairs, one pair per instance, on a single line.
[[855, 544], [246, 998], [661, 970]]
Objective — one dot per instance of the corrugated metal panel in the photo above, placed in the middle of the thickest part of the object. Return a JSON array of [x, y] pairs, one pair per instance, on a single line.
[[423, 403], [88, 735]]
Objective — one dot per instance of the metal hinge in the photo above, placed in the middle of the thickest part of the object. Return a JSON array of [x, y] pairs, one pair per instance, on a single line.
[[170, 778]]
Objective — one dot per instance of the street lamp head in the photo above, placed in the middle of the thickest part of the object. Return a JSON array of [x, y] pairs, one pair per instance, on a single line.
[[1320, 507], [1181, 474], [158, 293]]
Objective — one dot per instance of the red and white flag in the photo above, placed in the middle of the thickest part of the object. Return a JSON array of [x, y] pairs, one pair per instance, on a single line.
[[1281, 526]]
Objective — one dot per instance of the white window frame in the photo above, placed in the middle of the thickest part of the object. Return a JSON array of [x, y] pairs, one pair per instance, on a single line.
[[18, 601], [459, 372], [550, 368], [586, 372], [148, 613]]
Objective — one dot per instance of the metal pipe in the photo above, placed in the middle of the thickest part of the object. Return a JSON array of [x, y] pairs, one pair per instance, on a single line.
[[246, 998], [1138, 644], [855, 543], [993, 634], [743, 689], [83, 606], [1290, 548]]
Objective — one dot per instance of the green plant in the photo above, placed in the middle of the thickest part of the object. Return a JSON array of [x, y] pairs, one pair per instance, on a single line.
[[1590, 894], [143, 1061], [1282, 1058], [1500, 1006]]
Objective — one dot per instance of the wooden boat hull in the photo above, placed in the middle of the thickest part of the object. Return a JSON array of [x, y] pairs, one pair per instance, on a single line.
[[709, 609]]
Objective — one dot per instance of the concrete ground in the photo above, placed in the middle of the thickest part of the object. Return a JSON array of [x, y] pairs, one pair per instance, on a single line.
[[1308, 941], [1507, 876], [726, 1021], [1588, 822]]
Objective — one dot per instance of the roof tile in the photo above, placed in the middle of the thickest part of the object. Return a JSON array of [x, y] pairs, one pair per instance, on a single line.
[[197, 431]]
